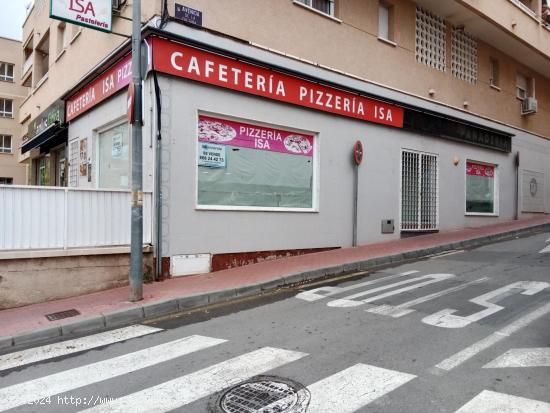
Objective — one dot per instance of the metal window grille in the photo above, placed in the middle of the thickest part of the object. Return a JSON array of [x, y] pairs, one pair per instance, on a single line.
[[419, 191], [430, 39], [464, 56], [74, 157]]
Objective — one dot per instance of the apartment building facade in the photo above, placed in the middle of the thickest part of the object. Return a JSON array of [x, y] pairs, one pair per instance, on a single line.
[[11, 95], [259, 107]]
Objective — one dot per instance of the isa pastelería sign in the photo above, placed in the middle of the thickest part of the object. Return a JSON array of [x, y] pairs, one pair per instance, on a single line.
[[96, 14]]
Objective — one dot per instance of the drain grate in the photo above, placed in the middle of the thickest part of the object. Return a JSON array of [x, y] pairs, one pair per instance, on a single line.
[[62, 314], [264, 394]]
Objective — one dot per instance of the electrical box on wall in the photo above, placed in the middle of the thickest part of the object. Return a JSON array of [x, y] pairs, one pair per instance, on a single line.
[[388, 226]]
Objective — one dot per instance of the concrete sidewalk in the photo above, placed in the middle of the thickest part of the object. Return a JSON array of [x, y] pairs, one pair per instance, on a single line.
[[110, 308]]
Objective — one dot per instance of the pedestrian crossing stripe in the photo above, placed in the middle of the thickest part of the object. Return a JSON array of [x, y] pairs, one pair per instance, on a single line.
[[489, 401], [64, 348], [29, 391], [187, 389]]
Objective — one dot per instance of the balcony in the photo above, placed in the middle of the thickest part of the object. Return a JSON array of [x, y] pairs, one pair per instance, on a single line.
[[511, 26], [27, 65]]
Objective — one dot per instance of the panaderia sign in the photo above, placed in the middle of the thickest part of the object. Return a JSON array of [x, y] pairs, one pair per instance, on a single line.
[[203, 66]]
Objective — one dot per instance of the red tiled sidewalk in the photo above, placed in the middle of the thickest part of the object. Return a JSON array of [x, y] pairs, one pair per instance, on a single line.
[[29, 318]]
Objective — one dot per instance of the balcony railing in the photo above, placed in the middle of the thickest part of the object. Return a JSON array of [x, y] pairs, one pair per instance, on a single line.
[[27, 65]]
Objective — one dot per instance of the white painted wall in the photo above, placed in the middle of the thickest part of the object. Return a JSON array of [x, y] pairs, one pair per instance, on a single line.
[[189, 231]]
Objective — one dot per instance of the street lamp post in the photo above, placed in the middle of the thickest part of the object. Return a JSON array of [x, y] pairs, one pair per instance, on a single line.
[[136, 250]]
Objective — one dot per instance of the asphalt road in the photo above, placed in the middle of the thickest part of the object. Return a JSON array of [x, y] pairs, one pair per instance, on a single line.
[[467, 331]]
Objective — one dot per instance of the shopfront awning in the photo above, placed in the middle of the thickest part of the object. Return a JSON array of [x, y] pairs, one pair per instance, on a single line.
[[52, 136]]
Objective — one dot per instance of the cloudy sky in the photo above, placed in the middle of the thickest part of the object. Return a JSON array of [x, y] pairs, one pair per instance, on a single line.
[[12, 16]]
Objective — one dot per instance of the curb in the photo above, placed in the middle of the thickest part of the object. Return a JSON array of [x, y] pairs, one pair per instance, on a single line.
[[171, 306]]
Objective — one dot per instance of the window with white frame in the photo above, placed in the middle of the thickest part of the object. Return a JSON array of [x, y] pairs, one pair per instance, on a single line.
[[253, 166], [385, 17], [6, 72], [6, 108], [522, 86], [430, 39], [480, 188], [6, 181], [5, 144], [324, 6]]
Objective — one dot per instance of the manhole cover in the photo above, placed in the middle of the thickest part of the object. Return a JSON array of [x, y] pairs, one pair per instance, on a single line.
[[264, 394], [62, 314]]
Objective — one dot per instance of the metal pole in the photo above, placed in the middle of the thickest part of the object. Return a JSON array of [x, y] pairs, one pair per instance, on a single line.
[[136, 250], [355, 196]]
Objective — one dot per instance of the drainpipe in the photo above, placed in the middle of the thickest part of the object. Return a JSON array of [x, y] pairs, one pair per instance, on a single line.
[[158, 182], [516, 215]]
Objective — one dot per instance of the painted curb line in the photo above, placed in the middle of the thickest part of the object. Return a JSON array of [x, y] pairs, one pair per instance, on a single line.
[[165, 307]]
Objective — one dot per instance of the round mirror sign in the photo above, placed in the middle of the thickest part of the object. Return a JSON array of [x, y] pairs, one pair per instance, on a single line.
[[358, 152]]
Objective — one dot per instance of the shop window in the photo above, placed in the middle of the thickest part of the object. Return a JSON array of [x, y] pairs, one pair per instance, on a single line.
[[480, 188], [385, 21], [431, 30], [6, 108], [324, 6], [6, 181], [5, 144], [113, 160], [253, 167], [74, 158], [44, 171], [60, 167], [6, 72], [494, 72]]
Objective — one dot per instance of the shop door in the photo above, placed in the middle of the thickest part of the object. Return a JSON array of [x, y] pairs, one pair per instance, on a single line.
[[419, 191]]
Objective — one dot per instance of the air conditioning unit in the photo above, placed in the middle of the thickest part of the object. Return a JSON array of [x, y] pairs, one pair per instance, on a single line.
[[529, 106]]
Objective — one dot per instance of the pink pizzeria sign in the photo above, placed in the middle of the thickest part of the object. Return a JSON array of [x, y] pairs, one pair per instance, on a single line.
[[477, 169], [226, 132]]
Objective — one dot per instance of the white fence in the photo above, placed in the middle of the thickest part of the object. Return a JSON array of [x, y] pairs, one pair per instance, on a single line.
[[50, 217]]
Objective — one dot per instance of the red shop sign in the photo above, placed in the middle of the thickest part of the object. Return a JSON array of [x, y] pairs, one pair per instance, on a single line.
[[207, 67], [477, 169], [110, 82]]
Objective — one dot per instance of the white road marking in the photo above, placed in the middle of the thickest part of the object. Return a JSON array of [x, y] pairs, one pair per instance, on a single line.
[[404, 308], [445, 254], [545, 249], [32, 355], [350, 301], [351, 389], [175, 393], [447, 319], [522, 357], [32, 390], [469, 352], [492, 402], [323, 292]]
